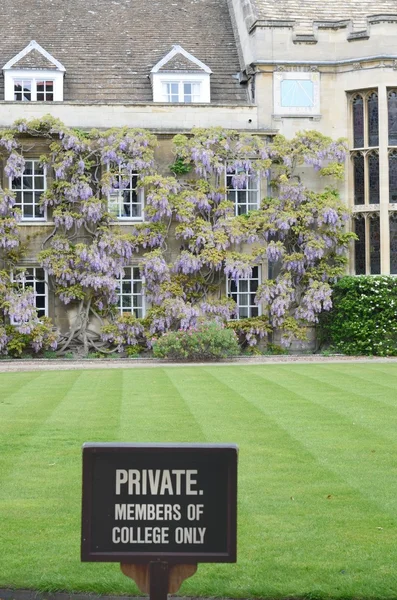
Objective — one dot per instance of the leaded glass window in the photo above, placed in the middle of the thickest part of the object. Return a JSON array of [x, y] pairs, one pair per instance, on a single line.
[[359, 187], [359, 245], [393, 243], [373, 175], [358, 122], [374, 244], [393, 177], [243, 293], [373, 120], [392, 117], [130, 292]]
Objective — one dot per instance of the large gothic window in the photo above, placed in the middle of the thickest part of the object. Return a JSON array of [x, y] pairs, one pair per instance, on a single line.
[[358, 122], [392, 117], [359, 245], [373, 120]]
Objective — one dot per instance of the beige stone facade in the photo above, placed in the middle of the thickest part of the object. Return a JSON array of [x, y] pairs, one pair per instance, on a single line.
[[291, 74]]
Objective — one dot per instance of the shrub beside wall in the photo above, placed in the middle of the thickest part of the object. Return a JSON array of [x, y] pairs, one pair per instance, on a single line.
[[364, 316], [207, 341]]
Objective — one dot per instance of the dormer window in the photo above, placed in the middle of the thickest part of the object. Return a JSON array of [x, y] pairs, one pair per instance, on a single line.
[[33, 75], [180, 77]]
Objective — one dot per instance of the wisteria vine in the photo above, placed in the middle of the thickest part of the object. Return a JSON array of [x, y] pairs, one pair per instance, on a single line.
[[191, 241]]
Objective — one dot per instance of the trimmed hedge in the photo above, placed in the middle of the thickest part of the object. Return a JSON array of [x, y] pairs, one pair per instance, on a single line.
[[364, 316]]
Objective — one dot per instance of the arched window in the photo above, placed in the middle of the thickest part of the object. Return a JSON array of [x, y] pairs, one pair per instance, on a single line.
[[393, 177], [359, 245], [373, 177], [358, 121], [373, 119], [359, 188], [392, 117]]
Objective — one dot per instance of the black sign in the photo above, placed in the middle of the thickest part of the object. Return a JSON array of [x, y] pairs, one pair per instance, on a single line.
[[145, 502]]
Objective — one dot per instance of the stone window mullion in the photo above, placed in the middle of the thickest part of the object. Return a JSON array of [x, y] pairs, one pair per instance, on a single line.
[[384, 181]]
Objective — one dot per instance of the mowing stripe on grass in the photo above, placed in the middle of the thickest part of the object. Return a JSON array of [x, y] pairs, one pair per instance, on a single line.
[[154, 411], [30, 406], [16, 381], [367, 405], [371, 384]]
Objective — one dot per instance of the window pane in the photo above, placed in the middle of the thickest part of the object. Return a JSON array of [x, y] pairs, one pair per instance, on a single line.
[[359, 245], [358, 122], [373, 168], [373, 120], [392, 114], [393, 243], [393, 177], [374, 244], [27, 89], [358, 162], [28, 167]]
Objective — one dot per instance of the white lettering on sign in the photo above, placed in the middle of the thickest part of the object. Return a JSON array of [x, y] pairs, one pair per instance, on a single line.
[[147, 512], [140, 535], [190, 535], [157, 481]]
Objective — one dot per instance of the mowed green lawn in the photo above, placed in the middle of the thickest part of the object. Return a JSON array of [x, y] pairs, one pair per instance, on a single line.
[[317, 472]]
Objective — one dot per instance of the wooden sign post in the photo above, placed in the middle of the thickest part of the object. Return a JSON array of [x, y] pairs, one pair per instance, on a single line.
[[159, 509]]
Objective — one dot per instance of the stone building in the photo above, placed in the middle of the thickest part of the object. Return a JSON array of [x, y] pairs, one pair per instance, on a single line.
[[263, 66]]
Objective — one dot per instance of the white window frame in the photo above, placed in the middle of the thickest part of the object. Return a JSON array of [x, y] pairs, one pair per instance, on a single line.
[[132, 294], [181, 91], [32, 190], [230, 294], [117, 194], [22, 282], [34, 76], [296, 111], [160, 79], [234, 192]]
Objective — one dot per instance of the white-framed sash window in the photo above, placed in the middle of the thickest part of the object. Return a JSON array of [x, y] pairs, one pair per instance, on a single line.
[[130, 292], [28, 190], [243, 293]]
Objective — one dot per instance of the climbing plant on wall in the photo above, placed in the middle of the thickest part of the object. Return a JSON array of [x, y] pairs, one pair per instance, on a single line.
[[194, 235]]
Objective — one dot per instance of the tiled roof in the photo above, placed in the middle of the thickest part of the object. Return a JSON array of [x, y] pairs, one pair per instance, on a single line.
[[180, 63], [108, 47], [304, 12], [33, 60]]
